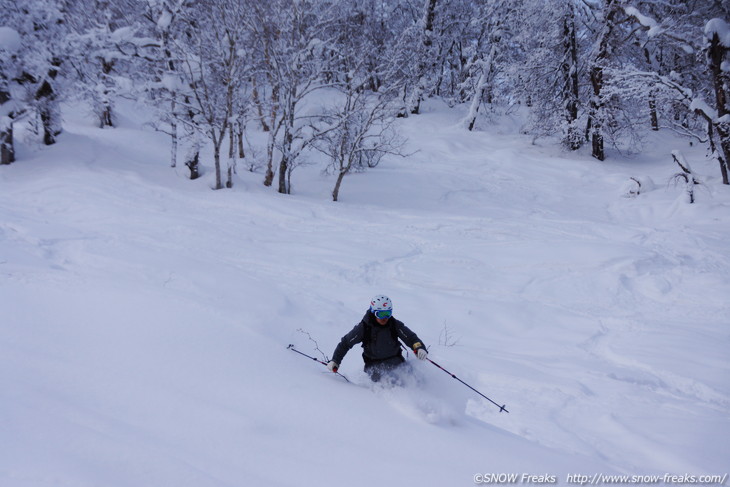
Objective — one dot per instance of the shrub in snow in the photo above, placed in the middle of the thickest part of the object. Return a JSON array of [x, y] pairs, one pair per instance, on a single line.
[[685, 177], [636, 185]]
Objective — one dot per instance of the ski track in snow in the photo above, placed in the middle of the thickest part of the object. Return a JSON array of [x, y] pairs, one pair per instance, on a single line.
[[599, 321]]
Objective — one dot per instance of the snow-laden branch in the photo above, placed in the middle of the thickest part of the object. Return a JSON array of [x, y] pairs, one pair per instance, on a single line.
[[652, 26], [720, 28], [694, 103], [655, 29]]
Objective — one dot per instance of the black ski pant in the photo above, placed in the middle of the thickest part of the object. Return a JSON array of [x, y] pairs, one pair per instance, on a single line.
[[376, 369]]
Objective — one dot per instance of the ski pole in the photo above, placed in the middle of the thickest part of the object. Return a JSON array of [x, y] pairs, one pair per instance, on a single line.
[[501, 408], [291, 347]]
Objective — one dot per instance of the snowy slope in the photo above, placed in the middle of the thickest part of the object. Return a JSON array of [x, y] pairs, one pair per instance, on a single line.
[[147, 317]]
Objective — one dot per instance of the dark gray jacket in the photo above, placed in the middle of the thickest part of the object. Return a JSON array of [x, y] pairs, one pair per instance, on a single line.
[[380, 342]]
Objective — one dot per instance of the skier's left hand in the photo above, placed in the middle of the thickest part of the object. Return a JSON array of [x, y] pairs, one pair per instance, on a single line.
[[421, 353]]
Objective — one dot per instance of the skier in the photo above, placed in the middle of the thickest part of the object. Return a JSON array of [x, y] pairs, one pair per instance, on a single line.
[[378, 331]]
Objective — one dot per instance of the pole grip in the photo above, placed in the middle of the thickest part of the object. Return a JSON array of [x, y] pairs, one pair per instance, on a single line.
[[291, 347]]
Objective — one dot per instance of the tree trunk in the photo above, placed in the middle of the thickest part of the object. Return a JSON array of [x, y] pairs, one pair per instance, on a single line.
[[336, 191], [597, 146], [720, 81], [596, 74], [269, 177], [50, 113], [49, 109], [413, 106], [173, 130], [106, 117], [286, 150], [7, 147], [471, 117], [596, 105], [571, 94], [483, 86], [719, 153], [651, 60], [193, 165], [654, 116], [231, 158], [283, 167], [725, 156], [217, 161], [170, 65], [51, 120], [259, 107], [241, 152]]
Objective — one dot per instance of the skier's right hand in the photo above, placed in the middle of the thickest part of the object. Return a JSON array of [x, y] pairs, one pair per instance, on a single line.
[[332, 366]]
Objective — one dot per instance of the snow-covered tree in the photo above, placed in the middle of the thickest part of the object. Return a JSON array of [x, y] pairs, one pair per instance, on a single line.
[[700, 83], [425, 59], [600, 59], [292, 43], [547, 71], [165, 83], [33, 57], [10, 91], [213, 68], [356, 129], [717, 53], [49, 32], [102, 30], [598, 70], [487, 56]]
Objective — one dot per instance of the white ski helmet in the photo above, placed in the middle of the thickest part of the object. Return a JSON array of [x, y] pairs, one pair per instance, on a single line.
[[381, 303]]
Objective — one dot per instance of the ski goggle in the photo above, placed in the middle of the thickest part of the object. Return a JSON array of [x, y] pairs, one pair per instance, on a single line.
[[383, 314]]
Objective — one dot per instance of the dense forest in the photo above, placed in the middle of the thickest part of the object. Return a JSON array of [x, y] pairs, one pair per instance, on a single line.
[[591, 73]]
